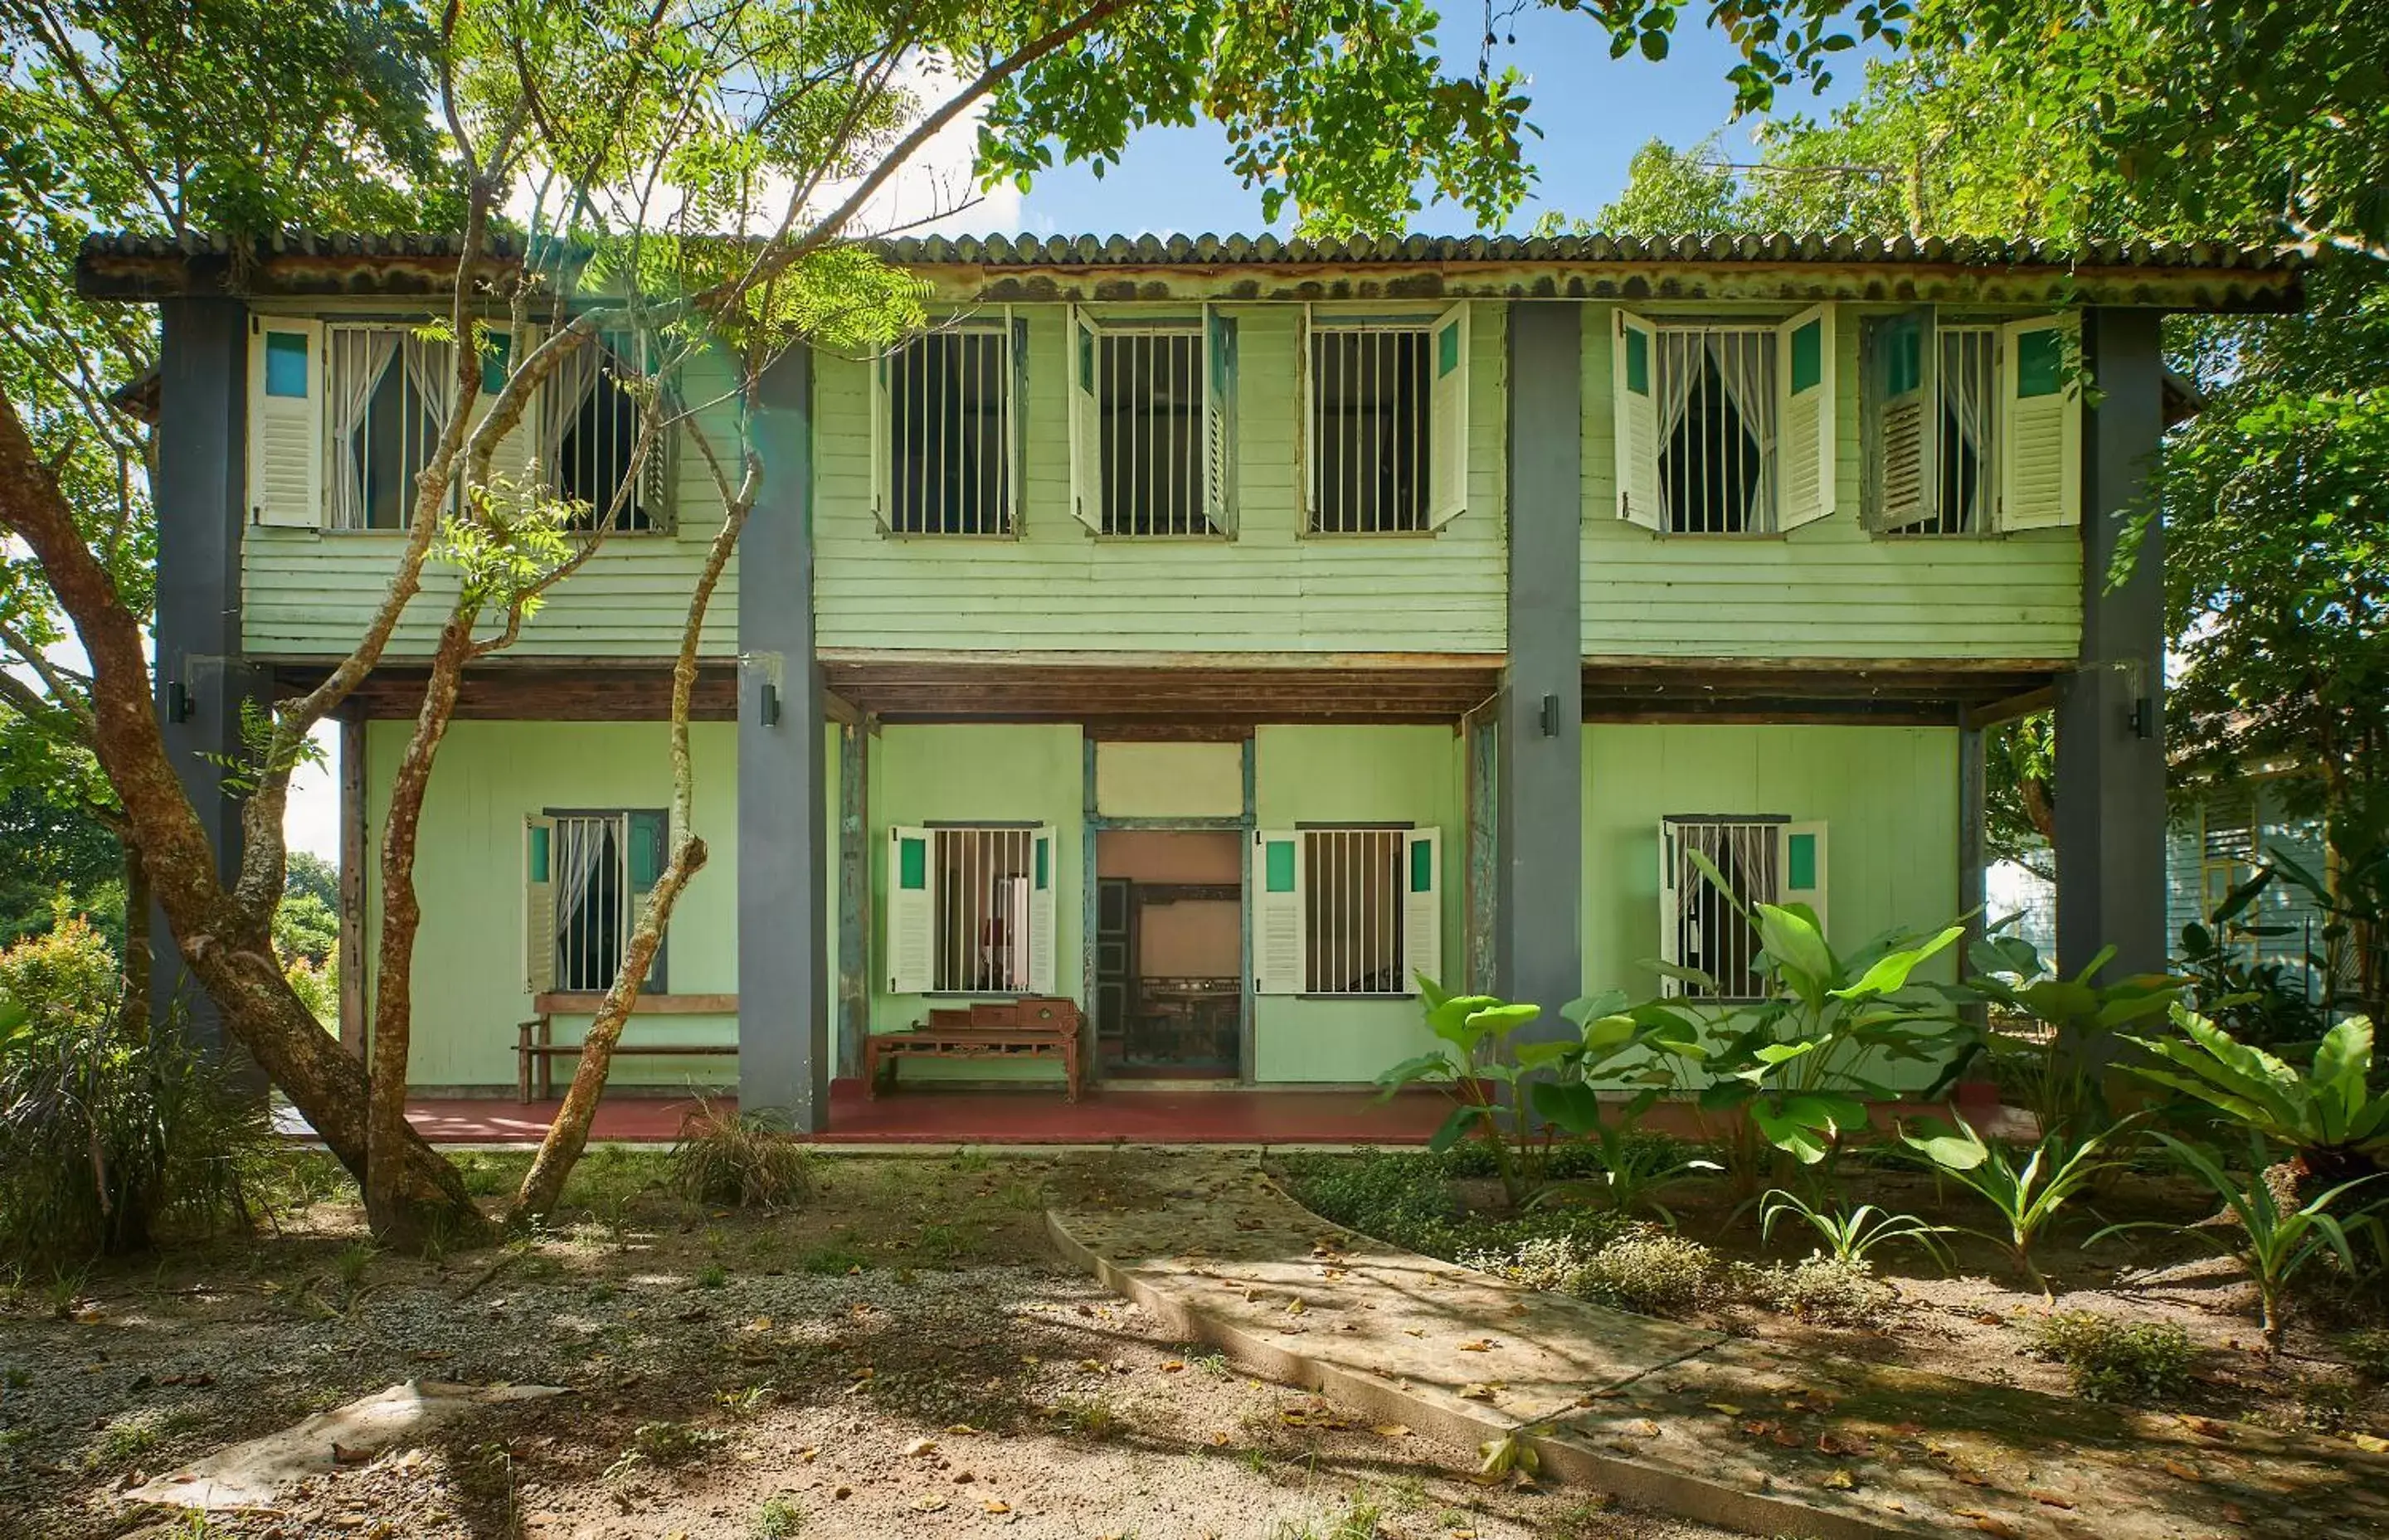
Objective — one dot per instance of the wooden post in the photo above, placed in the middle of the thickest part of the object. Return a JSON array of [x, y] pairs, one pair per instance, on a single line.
[[355, 847], [853, 896]]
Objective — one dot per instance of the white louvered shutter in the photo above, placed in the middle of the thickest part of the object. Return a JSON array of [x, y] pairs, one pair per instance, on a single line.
[[1043, 913], [882, 440], [538, 904], [1634, 357], [1670, 926], [910, 919], [1804, 426], [1800, 868], [1904, 380], [1448, 418], [1422, 907], [516, 475], [1277, 912], [1218, 420], [2040, 433], [1086, 422], [1016, 421], [286, 423]]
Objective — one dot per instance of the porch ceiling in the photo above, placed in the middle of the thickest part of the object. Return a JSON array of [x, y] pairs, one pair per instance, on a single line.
[[1164, 694], [1934, 693]]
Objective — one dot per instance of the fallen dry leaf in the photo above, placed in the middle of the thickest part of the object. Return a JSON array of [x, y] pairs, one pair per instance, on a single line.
[[1478, 1345], [922, 1446], [2372, 1443], [1991, 1523], [1390, 1430], [996, 1505], [2181, 1469], [1476, 1392], [1841, 1481], [2054, 1499], [1725, 1409], [929, 1503], [1173, 1366]]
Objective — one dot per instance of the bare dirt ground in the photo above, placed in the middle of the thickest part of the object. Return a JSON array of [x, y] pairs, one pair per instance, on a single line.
[[899, 1355]]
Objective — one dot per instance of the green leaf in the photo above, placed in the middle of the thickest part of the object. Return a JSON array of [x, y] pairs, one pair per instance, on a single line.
[[1450, 1018], [1890, 971], [1500, 1020], [1412, 1071], [1794, 941], [1574, 1108], [1952, 1148], [1591, 1007], [1454, 1129]]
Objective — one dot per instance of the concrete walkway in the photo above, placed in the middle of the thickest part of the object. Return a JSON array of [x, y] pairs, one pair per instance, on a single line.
[[1690, 1421]]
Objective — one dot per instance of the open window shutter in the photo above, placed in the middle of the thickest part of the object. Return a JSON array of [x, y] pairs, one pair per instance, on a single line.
[[1670, 930], [882, 441], [1804, 394], [1218, 420], [1422, 907], [515, 476], [1634, 355], [538, 904], [648, 852], [911, 915], [1043, 943], [1800, 860], [1086, 423], [2040, 461], [1903, 378], [1277, 911], [1015, 415], [285, 422], [659, 473], [1448, 418]]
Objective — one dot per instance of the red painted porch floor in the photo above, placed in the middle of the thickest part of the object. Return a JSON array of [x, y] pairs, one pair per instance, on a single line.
[[915, 1116]]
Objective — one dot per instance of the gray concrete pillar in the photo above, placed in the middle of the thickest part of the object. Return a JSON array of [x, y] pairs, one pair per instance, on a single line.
[[202, 677], [1539, 933], [784, 996], [2111, 764]]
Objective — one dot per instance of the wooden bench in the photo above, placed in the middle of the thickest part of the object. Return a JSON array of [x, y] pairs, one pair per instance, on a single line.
[[1036, 1028], [545, 1050]]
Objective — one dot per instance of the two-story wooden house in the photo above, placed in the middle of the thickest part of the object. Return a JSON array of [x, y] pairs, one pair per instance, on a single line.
[[1220, 632]]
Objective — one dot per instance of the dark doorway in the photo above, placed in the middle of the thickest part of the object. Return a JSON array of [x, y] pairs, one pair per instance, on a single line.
[[1169, 954]]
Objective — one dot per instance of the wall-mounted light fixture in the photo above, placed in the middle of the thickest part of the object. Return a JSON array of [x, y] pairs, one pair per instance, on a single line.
[[768, 708], [1550, 716], [178, 701], [2144, 718]]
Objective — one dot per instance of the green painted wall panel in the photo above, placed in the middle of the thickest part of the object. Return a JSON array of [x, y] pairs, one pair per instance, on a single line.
[[1888, 796], [1826, 590], [1356, 775], [468, 975], [1058, 587]]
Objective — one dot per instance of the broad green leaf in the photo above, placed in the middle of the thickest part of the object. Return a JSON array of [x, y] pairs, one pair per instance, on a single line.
[[1798, 950], [1411, 1071], [1576, 1109], [1591, 1008], [1543, 1055], [1450, 1019], [1499, 1019], [1798, 1139], [1952, 1148], [1454, 1129], [1890, 971]]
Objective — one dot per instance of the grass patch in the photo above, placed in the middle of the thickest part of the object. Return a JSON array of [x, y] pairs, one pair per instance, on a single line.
[[1404, 1198]]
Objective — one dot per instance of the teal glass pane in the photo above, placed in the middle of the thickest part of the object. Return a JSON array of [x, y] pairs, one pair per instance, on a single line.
[[286, 365], [913, 864], [1807, 357], [1422, 867], [497, 349], [1040, 865], [646, 852], [1638, 361], [1447, 350], [1086, 361], [1903, 357], [539, 855], [2041, 364], [1278, 866], [1800, 856]]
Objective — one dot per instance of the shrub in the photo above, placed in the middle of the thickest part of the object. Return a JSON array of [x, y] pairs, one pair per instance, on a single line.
[[1404, 1198], [778, 1518], [1830, 1291], [317, 986], [1653, 1272], [2114, 1360], [104, 1135], [2367, 1352], [743, 1159]]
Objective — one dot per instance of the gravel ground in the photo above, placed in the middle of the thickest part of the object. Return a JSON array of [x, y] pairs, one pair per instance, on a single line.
[[897, 1356]]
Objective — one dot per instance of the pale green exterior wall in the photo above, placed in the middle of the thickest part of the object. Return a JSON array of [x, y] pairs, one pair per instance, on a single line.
[[1356, 775], [1888, 796], [468, 972], [1830, 588], [1058, 587]]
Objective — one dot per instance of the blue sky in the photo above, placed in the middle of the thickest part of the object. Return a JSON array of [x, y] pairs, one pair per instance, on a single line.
[[1593, 112]]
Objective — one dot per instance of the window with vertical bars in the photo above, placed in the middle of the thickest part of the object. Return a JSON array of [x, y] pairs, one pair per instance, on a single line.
[[591, 412], [1352, 908], [1369, 439], [1715, 392], [1151, 384], [950, 428], [387, 400], [980, 886], [602, 865], [1707, 928]]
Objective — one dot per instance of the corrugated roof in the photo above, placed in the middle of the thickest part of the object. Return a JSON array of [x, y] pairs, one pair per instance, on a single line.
[[1208, 249]]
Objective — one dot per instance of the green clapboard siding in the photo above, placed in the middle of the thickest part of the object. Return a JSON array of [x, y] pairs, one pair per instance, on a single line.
[[1356, 775], [468, 976], [974, 773], [1888, 796], [1057, 587], [1826, 590], [311, 593]]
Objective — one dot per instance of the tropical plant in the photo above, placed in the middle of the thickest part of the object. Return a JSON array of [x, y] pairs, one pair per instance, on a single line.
[[2326, 1116], [2267, 1004], [1478, 1028], [2353, 897], [1850, 1235], [2276, 1243], [1613, 1043], [2058, 1073], [2028, 1196], [1802, 1064]]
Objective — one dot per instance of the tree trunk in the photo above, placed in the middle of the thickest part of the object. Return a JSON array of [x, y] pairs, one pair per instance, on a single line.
[[392, 1208], [228, 945]]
